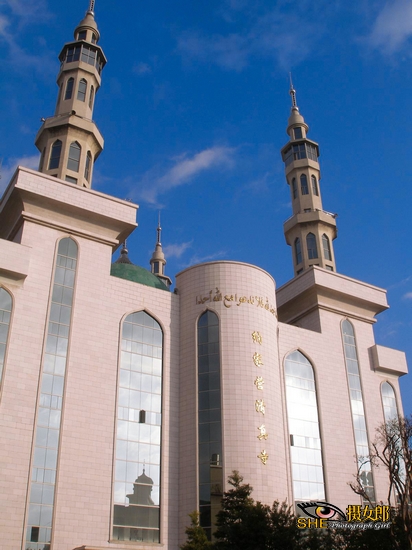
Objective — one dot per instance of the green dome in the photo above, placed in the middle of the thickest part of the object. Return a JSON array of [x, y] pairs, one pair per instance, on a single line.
[[136, 274]]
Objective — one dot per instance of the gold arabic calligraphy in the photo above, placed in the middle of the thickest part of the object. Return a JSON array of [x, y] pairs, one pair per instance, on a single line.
[[227, 300]]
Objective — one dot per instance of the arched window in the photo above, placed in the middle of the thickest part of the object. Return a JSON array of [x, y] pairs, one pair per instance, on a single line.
[[303, 420], [298, 251], [88, 166], [209, 420], [315, 190], [81, 92], [91, 97], [311, 246], [55, 154], [74, 157], [51, 398], [304, 185], [136, 508], [390, 408], [69, 88], [326, 247], [5, 315], [356, 399], [294, 188]]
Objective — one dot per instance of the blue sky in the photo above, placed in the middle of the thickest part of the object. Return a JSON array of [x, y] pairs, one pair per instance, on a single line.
[[193, 108]]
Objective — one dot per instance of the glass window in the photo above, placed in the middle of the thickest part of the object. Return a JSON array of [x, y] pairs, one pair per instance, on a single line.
[[312, 152], [298, 251], [305, 441], [94, 39], [294, 188], [73, 54], [71, 180], [136, 507], [69, 89], [74, 157], [390, 408], [314, 185], [298, 133], [209, 420], [91, 97], [304, 184], [88, 55], [5, 315], [47, 429], [55, 154], [326, 247], [81, 92], [311, 246], [358, 416], [88, 166], [82, 35]]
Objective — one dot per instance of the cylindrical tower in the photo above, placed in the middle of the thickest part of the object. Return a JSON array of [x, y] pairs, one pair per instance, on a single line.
[[231, 415]]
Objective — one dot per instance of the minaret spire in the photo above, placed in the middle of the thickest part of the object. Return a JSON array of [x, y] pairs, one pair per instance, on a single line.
[[311, 230], [292, 93], [91, 7], [159, 230], [157, 261], [69, 141]]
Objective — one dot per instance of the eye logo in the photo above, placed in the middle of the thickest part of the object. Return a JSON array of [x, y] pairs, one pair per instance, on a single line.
[[322, 510]]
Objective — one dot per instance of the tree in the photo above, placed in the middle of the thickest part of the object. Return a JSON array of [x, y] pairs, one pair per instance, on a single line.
[[241, 523], [392, 449], [196, 536]]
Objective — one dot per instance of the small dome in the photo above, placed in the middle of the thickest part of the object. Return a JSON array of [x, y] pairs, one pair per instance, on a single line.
[[88, 23], [136, 274], [296, 119]]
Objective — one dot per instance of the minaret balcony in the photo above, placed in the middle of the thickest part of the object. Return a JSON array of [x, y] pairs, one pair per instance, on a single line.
[[311, 216]]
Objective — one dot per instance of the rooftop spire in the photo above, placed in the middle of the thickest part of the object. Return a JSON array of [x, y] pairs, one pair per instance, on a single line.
[[157, 261], [292, 93], [159, 231], [91, 7]]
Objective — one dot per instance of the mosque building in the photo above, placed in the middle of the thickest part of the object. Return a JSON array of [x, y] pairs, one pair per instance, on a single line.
[[124, 405]]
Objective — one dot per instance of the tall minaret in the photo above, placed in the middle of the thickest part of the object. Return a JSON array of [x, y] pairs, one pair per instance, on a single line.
[[69, 141], [157, 261], [311, 230]]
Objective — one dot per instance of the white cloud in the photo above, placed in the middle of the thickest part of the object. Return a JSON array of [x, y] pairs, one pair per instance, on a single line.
[[185, 169], [407, 296], [286, 34], [196, 259], [12, 24], [142, 68], [392, 27], [9, 167], [176, 250]]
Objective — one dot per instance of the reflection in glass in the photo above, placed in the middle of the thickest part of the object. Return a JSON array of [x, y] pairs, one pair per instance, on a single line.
[[358, 416], [5, 314], [209, 420], [390, 408], [136, 494], [47, 432], [305, 442]]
